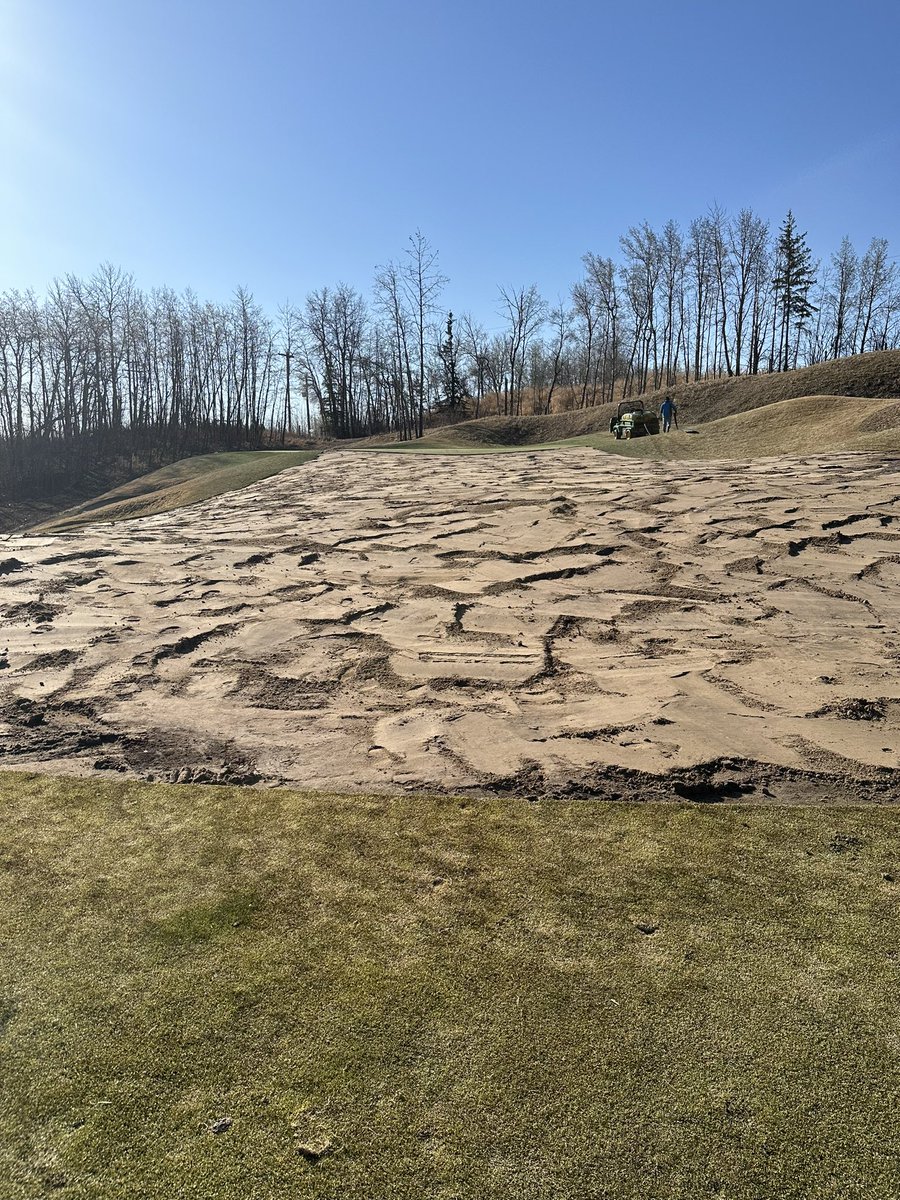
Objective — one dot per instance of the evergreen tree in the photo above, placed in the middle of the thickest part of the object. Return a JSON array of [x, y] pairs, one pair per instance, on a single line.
[[794, 276], [454, 385]]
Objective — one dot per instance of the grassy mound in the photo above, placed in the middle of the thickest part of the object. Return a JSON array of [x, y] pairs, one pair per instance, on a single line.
[[185, 482], [510, 433], [875, 376], [807, 425], [227, 993]]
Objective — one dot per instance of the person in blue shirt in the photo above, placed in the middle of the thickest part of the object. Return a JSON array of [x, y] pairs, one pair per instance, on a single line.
[[668, 413]]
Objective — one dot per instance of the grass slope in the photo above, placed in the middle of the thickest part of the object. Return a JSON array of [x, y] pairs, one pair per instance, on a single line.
[[182, 483], [807, 425], [875, 375], [442, 997]]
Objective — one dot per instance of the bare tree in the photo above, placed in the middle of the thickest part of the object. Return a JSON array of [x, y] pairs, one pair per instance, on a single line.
[[423, 283], [700, 264], [560, 321], [641, 272], [586, 316], [602, 277], [747, 237], [876, 276], [525, 312], [476, 347], [672, 265]]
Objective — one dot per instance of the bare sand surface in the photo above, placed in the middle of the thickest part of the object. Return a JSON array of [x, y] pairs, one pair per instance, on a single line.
[[560, 622]]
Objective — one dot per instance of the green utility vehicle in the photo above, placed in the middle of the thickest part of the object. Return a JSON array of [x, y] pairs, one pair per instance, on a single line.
[[633, 420]]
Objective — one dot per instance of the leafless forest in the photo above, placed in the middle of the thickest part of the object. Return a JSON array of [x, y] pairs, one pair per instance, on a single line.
[[99, 371]]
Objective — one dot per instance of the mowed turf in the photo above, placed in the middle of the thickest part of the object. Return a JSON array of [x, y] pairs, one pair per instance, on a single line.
[[443, 997], [185, 482]]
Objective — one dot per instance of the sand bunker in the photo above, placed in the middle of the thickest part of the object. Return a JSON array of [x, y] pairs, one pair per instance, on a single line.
[[557, 622]]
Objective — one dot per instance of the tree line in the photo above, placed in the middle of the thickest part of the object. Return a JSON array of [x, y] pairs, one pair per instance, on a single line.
[[98, 369]]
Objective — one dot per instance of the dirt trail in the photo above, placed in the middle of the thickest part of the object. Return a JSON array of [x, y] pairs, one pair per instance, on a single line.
[[548, 623]]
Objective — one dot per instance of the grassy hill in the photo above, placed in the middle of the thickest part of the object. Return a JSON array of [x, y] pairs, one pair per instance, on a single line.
[[806, 425], [873, 376], [225, 993], [182, 483]]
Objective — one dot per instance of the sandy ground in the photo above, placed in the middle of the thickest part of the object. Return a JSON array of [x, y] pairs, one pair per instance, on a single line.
[[546, 623]]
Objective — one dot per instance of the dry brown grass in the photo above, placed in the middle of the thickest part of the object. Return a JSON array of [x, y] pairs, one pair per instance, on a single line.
[[182, 483], [873, 376], [806, 425]]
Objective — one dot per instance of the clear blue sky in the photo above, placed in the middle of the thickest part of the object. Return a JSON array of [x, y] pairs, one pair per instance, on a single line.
[[283, 146]]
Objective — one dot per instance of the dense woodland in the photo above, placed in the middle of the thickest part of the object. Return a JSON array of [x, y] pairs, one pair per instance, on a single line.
[[99, 371]]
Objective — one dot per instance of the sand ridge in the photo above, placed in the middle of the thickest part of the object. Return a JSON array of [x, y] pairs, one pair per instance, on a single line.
[[554, 622]]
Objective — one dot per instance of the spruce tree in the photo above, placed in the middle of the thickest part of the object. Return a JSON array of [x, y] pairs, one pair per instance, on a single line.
[[794, 276], [453, 381]]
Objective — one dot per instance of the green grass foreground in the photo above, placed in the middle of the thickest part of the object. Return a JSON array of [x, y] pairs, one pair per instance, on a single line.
[[443, 997]]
